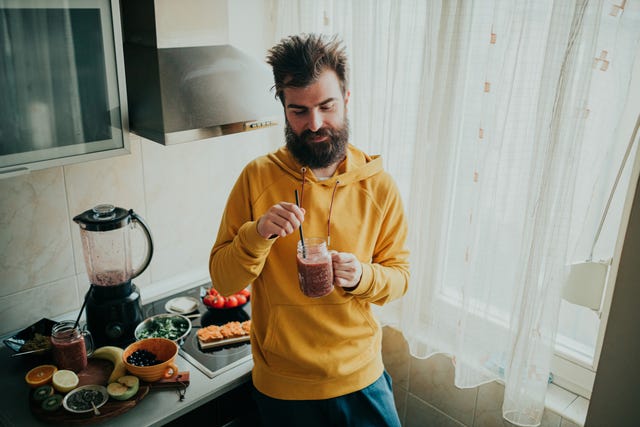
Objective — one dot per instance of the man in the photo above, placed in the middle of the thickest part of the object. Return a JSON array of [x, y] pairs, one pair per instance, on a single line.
[[317, 361]]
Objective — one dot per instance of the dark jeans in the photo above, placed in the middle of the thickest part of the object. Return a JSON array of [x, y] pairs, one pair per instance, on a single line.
[[370, 407]]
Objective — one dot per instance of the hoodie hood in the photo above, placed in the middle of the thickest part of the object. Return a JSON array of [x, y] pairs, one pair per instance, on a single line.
[[355, 167]]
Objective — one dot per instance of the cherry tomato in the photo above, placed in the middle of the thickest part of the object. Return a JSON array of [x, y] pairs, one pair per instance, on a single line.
[[241, 298], [245, 292], [212, 291], [219, 301], [208, 300], [231, 302]]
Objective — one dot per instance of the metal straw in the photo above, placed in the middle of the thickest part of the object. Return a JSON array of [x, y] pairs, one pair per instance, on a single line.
[[304, 250], [83, 304]]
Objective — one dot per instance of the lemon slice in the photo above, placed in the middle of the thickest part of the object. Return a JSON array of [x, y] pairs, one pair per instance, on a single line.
[[65, 380]]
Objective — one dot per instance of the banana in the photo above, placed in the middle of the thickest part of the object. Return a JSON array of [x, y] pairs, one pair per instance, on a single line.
[[114, 355]]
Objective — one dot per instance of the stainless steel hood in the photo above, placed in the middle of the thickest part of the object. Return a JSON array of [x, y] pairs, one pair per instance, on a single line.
[[182, 94]]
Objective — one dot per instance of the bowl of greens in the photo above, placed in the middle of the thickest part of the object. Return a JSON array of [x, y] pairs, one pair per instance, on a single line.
[[174, 327]]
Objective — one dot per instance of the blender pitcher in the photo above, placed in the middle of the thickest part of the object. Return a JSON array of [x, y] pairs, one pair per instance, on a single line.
[[113, 306], [106, 233]]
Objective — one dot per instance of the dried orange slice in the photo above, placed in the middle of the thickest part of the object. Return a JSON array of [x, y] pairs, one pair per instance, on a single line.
[[40, 375]]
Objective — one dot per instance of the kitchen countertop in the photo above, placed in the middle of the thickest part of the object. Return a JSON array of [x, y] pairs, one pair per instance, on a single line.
[[157, 408]]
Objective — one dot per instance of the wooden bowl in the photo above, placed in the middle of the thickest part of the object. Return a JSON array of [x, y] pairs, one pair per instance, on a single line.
[[165, 351]]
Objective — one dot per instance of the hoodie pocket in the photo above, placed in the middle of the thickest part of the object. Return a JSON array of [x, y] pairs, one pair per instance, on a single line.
[[316, 341]]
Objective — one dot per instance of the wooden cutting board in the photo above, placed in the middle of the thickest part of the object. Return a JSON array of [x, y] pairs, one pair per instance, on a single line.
[[111, 409], [97, 372], [220, 343]]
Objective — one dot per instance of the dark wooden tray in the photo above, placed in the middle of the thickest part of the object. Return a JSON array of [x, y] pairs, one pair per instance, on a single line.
[[111, 409], [97, 372]]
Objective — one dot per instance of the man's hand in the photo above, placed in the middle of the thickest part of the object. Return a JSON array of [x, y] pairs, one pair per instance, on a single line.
[[280, 220], [347, 270]]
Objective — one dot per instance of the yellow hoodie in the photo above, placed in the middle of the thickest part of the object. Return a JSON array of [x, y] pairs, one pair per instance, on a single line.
[[313, 348]]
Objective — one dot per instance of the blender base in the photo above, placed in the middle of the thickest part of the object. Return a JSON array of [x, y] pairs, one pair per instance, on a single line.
[[113, 313]]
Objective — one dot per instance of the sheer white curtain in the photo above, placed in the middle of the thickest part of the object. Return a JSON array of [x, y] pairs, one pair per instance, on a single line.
[[484, 112]]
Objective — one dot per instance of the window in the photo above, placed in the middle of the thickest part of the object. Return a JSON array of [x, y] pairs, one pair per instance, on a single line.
[[611, 175]]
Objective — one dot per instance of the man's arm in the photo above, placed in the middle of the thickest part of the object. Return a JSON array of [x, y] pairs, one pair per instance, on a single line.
[[386, 277], [243, 244]]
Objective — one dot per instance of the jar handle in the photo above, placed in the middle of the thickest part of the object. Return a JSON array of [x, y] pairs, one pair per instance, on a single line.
[[88, 342]]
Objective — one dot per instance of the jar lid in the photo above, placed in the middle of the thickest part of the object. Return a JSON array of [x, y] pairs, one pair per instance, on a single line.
[[103, 217]]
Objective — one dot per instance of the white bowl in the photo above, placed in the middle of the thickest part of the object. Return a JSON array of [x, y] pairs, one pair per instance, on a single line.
[[79, 399]]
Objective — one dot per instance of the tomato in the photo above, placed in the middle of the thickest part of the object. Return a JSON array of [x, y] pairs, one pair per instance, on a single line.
[[208, 300], [245, 292], [219, 301], [231, 302], [241, 298], [212, 291]]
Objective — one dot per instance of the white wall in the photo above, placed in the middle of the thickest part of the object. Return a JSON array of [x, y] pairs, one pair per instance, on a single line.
[[179, 190]]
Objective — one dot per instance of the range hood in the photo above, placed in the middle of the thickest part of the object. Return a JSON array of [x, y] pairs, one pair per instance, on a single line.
[[181, 94]]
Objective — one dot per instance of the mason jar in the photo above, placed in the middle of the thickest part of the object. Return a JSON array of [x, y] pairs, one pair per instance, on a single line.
[[70, 346], [315, 268]]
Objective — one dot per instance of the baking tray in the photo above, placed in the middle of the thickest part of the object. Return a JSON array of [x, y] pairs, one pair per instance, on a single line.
[[42, 327]]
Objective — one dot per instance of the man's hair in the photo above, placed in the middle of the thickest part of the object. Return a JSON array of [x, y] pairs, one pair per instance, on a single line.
[[298, 60]]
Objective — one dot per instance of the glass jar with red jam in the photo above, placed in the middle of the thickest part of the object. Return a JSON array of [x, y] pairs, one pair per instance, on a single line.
[[315, 268]]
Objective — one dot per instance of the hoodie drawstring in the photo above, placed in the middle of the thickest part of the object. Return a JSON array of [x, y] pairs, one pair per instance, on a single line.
[[333, 195], [304, 173]]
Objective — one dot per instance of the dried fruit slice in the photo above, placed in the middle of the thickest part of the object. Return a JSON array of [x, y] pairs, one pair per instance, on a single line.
[[65, 380], [40, 375]]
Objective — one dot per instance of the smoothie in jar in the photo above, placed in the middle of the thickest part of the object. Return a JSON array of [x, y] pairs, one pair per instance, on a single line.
[[315, 268], [68, 346]]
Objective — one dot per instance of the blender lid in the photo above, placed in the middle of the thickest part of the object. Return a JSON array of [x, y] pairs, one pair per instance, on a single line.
[[104, 217]]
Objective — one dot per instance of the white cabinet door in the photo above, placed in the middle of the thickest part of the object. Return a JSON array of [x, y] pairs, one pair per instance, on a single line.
[[62, 83]]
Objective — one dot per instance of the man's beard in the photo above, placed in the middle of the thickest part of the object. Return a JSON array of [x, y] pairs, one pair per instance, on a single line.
[[318, 154]]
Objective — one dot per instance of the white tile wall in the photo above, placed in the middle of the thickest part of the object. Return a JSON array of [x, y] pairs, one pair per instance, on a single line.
[[34, 231], [49, 300], [426, 396], [432, 380]]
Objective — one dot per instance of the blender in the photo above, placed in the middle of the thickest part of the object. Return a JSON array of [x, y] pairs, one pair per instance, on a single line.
[[113, 307]]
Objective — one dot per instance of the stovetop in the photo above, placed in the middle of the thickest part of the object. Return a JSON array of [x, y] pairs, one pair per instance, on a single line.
[[217, 360]]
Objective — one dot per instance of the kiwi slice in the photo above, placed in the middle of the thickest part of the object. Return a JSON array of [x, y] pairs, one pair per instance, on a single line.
[[42, 392], [52, 403]]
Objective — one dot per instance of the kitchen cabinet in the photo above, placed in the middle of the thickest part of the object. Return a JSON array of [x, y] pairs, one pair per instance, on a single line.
[[62, 83], [235, 408]]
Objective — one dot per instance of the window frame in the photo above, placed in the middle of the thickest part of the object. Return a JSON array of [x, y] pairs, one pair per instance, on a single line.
[[568, 370]]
